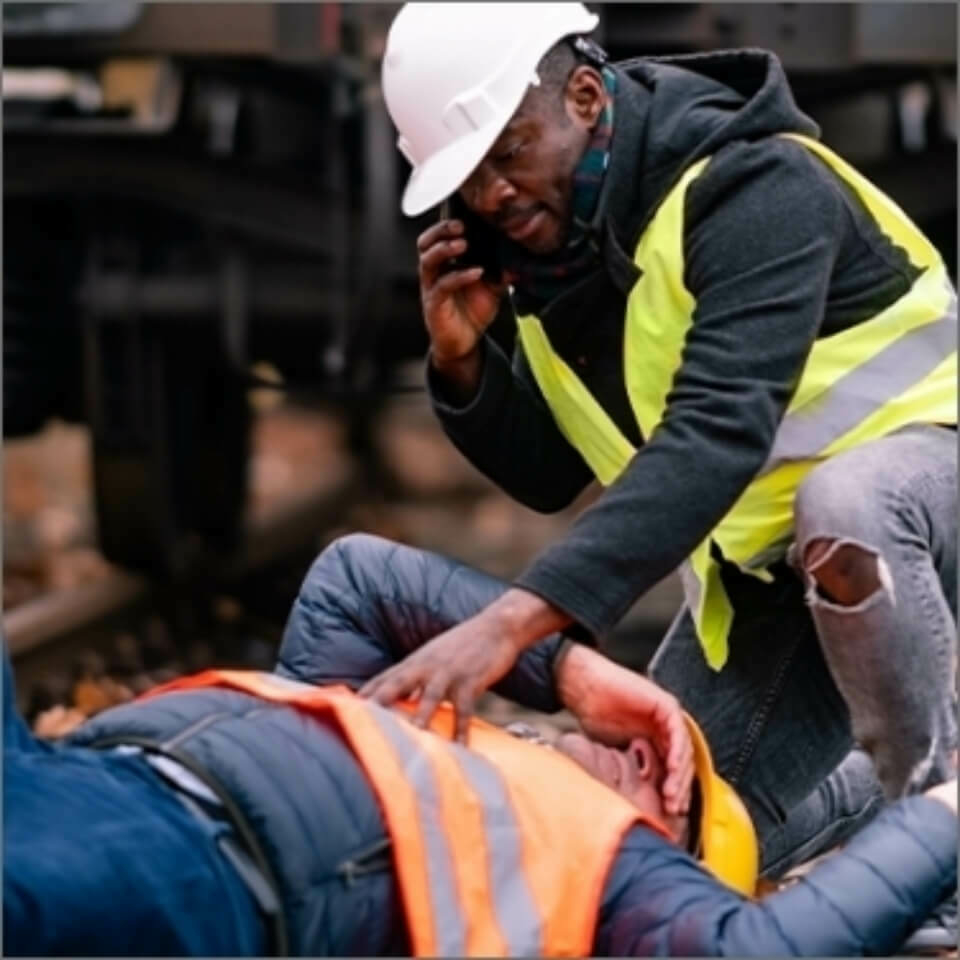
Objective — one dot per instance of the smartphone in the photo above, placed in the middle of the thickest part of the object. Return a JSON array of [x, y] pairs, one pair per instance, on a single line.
[[482, 240]]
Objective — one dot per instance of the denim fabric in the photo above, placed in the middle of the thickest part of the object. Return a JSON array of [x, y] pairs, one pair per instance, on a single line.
[[894, 655], [101, 859], [308, 803], [808, 680], [843, 803]]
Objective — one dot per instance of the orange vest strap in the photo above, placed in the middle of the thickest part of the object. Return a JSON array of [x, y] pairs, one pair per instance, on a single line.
[[501, 849]]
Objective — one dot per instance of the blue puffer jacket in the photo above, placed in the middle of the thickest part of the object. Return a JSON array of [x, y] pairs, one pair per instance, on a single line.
[[365, 604]]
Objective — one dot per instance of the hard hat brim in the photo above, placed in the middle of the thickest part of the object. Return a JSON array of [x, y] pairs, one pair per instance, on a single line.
[[727, 834], [443, 173], [444, 170]]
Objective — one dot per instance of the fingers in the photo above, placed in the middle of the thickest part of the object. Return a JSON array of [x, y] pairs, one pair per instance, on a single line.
[[677, 789], [438, 231], [392, 685], [497, 286], [372, 685], [679, 757], [443, 669], [442, 688], [456, 279], [436, 246], [463, 701], [433, 693], [433, 258], [404, 682]]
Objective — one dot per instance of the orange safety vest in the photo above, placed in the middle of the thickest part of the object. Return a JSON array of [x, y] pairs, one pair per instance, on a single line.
[[501, 849]]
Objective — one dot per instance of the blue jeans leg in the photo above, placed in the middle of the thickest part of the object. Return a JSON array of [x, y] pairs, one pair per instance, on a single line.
[[775, 721], [806, 677], [843, 803]]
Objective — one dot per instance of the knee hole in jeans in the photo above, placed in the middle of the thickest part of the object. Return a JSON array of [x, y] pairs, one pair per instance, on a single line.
[[844, 572]]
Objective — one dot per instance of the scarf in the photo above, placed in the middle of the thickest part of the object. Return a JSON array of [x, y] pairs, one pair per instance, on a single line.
[[537, 279]]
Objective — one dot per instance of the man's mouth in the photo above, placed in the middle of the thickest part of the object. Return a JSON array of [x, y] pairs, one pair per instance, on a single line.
[[522, 225]]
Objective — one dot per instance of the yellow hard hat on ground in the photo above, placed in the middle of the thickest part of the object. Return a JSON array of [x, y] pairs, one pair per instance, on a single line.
[[728, 841]]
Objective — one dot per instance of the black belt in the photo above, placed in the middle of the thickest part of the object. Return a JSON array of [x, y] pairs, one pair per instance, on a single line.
[[231, 848], [240, 845]]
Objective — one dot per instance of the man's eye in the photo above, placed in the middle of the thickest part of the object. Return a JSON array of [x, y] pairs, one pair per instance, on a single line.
[[510, 152]]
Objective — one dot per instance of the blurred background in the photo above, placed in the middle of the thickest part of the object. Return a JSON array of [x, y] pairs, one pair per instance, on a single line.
[[212, 344]]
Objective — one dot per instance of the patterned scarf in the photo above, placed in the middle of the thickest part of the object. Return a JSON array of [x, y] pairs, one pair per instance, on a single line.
[[537, 279]]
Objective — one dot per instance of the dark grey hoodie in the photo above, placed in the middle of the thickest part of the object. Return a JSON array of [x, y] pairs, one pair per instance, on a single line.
[[778, 252]]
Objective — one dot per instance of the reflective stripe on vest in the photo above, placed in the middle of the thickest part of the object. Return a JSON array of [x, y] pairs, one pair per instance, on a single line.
[[896, 368], [501, 849]]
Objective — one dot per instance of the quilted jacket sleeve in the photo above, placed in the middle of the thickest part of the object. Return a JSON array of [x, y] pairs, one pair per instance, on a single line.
[[366, 603], [863, 901]]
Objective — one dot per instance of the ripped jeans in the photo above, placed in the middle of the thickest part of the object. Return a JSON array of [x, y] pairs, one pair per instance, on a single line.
[[816, 689]]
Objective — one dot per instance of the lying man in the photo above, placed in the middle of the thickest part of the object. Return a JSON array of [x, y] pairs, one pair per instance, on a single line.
[[239, 813]]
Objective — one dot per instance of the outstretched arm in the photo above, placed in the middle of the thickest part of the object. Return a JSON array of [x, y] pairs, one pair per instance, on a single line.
[[864, 900], [367, 602]]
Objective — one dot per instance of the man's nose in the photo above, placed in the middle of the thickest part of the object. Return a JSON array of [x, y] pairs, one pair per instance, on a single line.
[[485, 191]]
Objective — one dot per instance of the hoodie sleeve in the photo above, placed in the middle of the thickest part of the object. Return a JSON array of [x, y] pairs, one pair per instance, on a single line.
[[763, 226], [508, 433], [864, 900]]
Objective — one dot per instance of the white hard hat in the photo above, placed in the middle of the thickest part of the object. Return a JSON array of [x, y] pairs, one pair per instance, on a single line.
[[453, 76]]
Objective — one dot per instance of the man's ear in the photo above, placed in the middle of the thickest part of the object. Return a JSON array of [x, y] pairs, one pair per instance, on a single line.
[[585, 96]]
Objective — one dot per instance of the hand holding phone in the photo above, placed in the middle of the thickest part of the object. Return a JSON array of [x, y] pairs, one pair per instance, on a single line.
[[481, 239], [459, 300]]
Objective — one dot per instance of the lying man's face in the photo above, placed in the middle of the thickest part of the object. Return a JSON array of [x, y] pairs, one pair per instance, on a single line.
[[636, 772]]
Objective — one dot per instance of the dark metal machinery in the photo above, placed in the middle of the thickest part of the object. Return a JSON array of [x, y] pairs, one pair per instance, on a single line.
[[231, 199], [198, 187]]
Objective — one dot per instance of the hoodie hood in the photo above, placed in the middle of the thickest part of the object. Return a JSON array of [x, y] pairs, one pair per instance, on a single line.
[[672, 111]]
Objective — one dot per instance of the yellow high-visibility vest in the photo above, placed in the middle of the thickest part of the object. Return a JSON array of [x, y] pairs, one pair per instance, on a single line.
[[896, 368]]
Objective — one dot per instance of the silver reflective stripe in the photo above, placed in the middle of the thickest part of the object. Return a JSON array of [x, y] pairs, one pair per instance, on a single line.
[[865, 389], [691, 587], [770, 554], [451, 925], [286, 683], [514, 906]]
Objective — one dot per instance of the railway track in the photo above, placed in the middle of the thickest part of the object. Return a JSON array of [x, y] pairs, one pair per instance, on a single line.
[[141, 631], [311, 488]]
